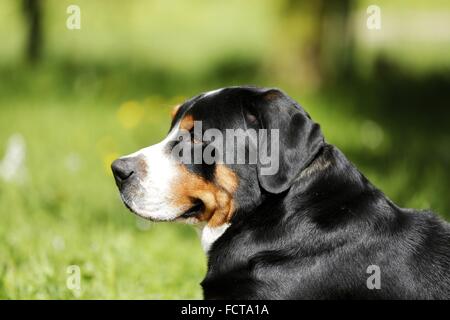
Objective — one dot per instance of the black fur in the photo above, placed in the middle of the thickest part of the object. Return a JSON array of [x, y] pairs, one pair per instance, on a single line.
[[311, 231]]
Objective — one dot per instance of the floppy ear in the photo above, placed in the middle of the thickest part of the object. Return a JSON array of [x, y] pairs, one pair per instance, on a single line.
[[299, 139]]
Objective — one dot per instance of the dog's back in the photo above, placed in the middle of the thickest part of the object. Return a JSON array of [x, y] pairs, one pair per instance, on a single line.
[[428, 255]]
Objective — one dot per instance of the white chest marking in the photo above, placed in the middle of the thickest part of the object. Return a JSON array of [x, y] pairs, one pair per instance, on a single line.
[[210, 235]]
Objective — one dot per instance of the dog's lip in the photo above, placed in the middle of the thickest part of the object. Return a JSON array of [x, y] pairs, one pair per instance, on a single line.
[[193, 211], [128, 206], [196, 208], [125, 202]]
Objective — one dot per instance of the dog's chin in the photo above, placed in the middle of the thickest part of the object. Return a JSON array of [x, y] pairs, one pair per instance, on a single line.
[[140, 212], [186, 215], [149, 215]]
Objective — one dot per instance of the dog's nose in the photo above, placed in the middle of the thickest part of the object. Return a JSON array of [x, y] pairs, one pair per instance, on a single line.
[[122, 169]]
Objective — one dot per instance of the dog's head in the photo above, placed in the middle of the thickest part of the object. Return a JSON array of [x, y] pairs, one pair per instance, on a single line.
[[224, 150]]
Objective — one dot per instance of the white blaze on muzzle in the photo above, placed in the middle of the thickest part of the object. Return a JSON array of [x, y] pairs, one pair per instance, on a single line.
[[151, 196]]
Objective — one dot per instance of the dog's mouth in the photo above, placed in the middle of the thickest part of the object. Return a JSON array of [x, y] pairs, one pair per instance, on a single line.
[[195, 210]]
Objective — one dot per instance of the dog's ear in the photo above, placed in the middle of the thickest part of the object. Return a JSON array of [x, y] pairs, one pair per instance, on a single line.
[[299, 138]]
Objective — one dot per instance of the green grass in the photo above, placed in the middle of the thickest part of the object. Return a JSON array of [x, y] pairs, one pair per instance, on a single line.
[[61, 217]]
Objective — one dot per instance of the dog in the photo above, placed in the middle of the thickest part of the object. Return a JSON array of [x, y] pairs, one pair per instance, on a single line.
[[315, 228]]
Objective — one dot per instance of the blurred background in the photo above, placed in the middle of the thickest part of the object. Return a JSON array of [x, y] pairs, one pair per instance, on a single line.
[[72, 100]]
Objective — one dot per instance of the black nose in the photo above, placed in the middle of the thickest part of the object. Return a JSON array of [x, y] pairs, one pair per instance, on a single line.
[[123, 169]]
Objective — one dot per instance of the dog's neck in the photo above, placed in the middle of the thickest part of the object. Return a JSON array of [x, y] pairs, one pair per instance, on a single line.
[[323, 181], [209, 235], [329, 164]]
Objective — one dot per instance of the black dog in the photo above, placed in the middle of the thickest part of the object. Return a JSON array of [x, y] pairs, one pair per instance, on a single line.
[[316, 229]]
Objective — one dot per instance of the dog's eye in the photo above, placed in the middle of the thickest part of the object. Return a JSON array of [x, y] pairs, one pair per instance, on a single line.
[[194, 139], [251, 118]]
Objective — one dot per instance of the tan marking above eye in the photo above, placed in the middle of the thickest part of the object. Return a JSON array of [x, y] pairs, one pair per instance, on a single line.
[[195, 140], [174, 111], [272, 95], [187, 123], [217, 196]]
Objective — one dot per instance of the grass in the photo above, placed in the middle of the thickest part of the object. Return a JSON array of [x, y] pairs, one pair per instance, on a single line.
[[66, 214]]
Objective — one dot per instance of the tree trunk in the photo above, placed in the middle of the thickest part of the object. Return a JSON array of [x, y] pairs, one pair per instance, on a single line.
[[33, 17]]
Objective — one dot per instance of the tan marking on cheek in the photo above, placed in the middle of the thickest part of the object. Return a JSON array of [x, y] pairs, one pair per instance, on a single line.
[[226, 178], [174, 111], [216, 196], [225, 210], [188, 187], [187, 123]]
